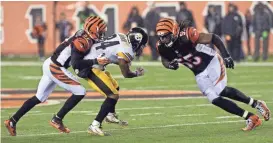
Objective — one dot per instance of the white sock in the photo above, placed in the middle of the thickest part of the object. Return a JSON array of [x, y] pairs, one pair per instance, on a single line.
[[251, 101], [58, 117], [110, 114], [245, 114], [95, 123]]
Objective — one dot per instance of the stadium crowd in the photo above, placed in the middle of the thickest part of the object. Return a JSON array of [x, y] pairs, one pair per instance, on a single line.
[[230, 27]]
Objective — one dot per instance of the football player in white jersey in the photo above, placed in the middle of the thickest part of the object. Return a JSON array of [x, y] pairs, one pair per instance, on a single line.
[[55, 73], [120, 49]]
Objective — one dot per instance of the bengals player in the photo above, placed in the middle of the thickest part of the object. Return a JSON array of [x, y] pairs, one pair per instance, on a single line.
[[182, 44], [55, 73]]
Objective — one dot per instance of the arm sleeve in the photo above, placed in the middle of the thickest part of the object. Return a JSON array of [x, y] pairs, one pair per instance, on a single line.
[[78, 62], [216, 40]]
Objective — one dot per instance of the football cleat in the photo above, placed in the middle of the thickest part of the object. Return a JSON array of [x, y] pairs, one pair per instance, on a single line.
[[58, 124], [263, 110], [112, 118], [252, 122], [11, 127], [97, 130]]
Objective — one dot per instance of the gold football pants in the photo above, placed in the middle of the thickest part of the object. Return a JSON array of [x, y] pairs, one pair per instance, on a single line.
[[103, 82]]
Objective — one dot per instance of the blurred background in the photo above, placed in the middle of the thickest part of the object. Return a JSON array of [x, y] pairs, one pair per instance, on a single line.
[[32, 30]]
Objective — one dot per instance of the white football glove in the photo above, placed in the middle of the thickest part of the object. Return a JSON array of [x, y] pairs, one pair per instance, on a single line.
[[139, 71]]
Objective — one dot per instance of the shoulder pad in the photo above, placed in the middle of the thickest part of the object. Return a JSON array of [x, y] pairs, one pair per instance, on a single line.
[[192, 34], [81, 44], [123, 37]]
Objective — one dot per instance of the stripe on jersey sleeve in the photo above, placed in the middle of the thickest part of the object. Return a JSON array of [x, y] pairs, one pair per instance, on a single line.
[[124, 56]]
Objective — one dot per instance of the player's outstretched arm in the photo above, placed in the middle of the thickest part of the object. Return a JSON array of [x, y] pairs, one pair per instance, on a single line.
[[126, 72]]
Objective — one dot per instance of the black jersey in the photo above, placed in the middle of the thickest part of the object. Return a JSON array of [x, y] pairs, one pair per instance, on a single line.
[[194, 56], [62, 54], [79, 43]]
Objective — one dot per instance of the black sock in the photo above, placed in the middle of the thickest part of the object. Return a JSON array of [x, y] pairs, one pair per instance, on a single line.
[[113, 108], [237, 95], [229, 106], [28, 105], [70, 103], [106, 106]]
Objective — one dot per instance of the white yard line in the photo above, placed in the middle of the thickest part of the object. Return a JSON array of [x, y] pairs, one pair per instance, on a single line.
[[162, 107], [137, 128], [227, 117], [145, 114], [30, 77], [190, 115]]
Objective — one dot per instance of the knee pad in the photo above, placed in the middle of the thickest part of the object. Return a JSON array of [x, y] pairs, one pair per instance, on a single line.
[[211, 94]]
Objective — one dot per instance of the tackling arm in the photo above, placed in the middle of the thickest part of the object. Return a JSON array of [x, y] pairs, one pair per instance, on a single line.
[[82, 66]]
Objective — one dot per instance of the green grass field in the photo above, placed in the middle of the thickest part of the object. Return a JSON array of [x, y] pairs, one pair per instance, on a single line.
[[189, 120]]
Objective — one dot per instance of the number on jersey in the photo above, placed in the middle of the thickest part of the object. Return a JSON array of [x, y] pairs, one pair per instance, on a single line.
[[191, 61]]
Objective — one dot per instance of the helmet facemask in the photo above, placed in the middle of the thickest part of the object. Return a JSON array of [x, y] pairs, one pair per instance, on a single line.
[[135, 40], [167, 30]]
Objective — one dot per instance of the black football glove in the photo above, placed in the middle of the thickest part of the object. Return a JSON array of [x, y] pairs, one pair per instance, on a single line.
[[173, 65], [229, 62]]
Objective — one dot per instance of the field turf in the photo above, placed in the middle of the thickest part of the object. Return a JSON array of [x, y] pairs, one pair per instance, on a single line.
[[187, 120]]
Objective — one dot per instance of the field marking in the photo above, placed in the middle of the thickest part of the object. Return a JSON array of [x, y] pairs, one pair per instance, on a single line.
[[39, 77], [162, 107], [190, 115], [140, 108], [145, 114], [227, 117], [137, 128], [195, 85], [30, 77], [30, 63]]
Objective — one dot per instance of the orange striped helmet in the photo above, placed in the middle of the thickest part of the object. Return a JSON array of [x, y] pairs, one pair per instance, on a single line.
[[167, 30], [95, 27]]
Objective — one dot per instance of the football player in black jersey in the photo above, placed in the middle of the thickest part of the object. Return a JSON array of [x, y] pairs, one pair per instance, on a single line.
[[182, 44], [55, 73]]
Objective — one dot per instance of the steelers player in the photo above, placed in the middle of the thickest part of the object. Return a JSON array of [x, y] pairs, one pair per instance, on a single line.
[[55, 73], [120, 49], [185, 45]]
